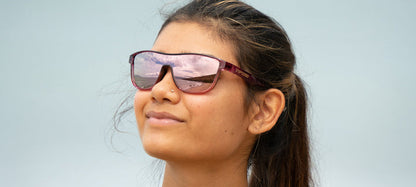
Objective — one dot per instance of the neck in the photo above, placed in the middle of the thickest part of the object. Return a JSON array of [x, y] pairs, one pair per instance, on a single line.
[[205, 174]]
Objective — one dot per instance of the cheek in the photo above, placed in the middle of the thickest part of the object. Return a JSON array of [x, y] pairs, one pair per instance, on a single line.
[[139, 103], [219, 121], [220, 130], [223, 105]]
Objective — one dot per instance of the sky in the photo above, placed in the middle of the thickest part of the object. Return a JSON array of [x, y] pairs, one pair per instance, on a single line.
[[64, 70]]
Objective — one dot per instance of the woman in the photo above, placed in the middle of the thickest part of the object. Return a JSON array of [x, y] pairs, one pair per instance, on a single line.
[[218, 99]]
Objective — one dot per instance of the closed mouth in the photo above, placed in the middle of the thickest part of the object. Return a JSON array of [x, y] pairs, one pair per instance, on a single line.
[[163, 115]]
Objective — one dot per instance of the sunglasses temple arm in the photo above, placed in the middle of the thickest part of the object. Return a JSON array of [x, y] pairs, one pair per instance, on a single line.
[[243, 74]]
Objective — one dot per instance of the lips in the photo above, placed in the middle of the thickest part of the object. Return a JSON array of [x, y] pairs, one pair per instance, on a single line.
[[163, 117]]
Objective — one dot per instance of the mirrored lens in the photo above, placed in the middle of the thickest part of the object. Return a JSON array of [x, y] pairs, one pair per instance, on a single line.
[[192, 73], [146, 70]]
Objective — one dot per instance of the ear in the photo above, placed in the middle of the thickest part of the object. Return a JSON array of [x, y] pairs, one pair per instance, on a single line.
[[266, 109]]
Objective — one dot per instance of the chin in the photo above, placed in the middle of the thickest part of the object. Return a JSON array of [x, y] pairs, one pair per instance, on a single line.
[[158, 147], [166, 151]]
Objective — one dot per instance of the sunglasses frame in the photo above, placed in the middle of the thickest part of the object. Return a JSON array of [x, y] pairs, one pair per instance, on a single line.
[[224, 65]]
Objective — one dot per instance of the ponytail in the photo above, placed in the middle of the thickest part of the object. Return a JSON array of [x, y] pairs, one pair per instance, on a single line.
[[280, 158]]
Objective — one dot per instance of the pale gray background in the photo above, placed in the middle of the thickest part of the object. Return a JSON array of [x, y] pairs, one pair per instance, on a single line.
[[63, 70]]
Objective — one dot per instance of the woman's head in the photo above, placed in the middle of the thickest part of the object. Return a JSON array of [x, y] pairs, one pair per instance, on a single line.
[[263, 125], [175, 125]]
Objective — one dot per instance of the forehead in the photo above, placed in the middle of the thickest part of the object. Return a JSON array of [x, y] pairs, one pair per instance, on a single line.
[[190, 37]]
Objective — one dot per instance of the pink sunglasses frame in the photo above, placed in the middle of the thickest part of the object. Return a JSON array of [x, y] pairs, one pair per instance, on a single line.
[[224, 65]]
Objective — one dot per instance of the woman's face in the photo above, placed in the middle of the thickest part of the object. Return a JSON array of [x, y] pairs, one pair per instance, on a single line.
[[177, 126]]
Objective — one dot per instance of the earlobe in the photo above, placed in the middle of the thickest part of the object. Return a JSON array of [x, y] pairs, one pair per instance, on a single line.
[[269, 106]]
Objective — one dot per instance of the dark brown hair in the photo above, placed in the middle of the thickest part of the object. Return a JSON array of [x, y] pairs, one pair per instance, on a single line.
[[280, 157]]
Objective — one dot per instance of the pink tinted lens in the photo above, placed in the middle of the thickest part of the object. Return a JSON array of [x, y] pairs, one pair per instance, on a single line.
[[145, 70], [192, 73]]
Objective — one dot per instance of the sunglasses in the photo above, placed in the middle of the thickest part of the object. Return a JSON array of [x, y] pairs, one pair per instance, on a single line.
[[191, 72]]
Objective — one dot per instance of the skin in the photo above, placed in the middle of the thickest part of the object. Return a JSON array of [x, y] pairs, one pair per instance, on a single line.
[[205, 139]]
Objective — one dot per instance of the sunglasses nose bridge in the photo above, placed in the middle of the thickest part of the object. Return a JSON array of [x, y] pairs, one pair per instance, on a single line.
[[163, 71]]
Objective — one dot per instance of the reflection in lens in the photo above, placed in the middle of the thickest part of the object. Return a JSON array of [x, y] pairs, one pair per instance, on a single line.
[[197, 73], [146, 70]]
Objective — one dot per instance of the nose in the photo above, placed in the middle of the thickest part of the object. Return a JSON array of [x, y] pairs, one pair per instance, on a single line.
[[165, 89]]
